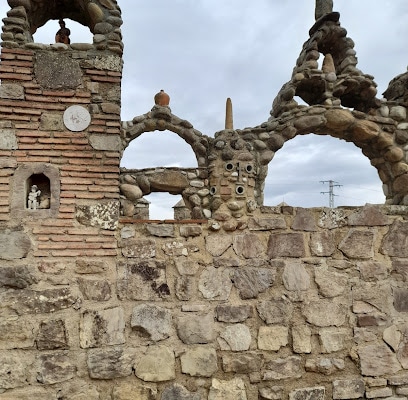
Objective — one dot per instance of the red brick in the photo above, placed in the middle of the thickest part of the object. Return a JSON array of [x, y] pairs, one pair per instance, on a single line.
[[17, 51], [96, 129], [48, 230], [105, 79], [104, 169], [59, 93], [54, 141], [17, 63], [54, 246], [8, 56], [15, 77], [66, 238], [84, 162], [83, 94], [76, 181], [95, 72], [113, 131], [31, 127], [113, 73], [83, 231], [27, 140], [91, 196], [82, 155], [25, 133], [26, 111], [73, 188], [54, 222], [96, 188]]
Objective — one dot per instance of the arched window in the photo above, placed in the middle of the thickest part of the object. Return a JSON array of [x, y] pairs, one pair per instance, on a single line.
[[304, 167], [79, 33]]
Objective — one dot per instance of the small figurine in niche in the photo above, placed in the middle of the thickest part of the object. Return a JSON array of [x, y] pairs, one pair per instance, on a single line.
[[62, 35], [33, 196]]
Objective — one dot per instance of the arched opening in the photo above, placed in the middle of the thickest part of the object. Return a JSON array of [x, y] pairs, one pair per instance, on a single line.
[[79, 33], [302, 169], [158, 149], [38, 192], [152, 151]]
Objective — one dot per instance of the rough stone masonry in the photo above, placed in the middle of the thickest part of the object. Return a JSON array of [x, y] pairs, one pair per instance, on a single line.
[[232, 299]]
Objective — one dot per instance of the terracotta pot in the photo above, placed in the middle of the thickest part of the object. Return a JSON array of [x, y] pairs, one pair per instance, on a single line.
[[162, 98]]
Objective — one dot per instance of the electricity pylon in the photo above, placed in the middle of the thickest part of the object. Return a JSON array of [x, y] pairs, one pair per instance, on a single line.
[[332, 185]]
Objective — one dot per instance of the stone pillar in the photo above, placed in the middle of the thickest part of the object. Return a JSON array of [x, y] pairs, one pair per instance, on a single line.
[[323, 7]]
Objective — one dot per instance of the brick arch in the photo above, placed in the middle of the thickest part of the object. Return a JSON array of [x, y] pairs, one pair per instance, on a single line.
[[161, 119], [376, 143]]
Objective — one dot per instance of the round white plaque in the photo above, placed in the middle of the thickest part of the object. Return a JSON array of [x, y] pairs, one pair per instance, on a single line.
[[77, 118]]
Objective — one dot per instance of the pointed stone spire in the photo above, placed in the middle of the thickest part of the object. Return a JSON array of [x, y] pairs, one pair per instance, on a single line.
[[229, 119], [323, 7]]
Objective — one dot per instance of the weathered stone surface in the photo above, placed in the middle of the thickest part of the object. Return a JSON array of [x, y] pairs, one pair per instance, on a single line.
[[8, 139], [275, 311], [215, 283], [332, 218], [217, 245], [185, 287], [338, 120], [51, 122], [132, 192], [18, 277], [103, 216], [52, 335], [392, 336], [157, 365], [315, 393], [13, 372], [322, 244], [131, 391], [368, 216], [235, 338], [286, 245], [54, 70], [395, 241], [29, 394], [16, 334], [160, 230], [266, 224], [248, 246], [168, 181], [109, 363], [376, 295], [153, 321], [301, 337], [85, 266], [241, 363], [271, 393], [324, 313], [304, 221], [325, 366], [37, 302], [139, 248], [14, 245], [373, 271], [144, 280], [282, 368], [233, 314], [95, 289], [272, 337], [295, 276], [196, 329], [377, 359], [188, 231], [178, 392], [105, 142], [251, 282], [333, 339], [402, 353], [199, 361], [227, 390], [358, 244], [346, 389], [55, 368], [330, 283], [11, 91], [187, 267], [105, 327]]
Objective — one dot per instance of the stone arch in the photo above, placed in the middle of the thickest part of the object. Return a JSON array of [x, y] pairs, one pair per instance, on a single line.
[[370, 136], [161, 119], [103, 17]]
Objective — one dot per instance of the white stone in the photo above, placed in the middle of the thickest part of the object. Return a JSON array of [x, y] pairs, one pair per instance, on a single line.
[[227, 390], [235, 337], [272, 337], [77, 118]]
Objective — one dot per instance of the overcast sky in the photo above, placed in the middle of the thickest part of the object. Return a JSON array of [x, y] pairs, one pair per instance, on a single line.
[[203, 51]]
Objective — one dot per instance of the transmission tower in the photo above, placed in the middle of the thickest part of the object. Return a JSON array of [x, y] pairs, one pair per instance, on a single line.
[[332, 185]]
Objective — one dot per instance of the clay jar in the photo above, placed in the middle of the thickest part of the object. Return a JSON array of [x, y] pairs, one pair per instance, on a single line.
[[162, 99]]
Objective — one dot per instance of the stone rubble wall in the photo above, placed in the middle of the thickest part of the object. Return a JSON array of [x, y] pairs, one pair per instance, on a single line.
[[304, 304]]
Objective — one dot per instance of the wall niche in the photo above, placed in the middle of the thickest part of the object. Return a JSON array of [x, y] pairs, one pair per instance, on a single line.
[[36, 191]]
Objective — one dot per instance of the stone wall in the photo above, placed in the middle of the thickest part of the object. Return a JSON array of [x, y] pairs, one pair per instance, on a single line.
[[304, 304]]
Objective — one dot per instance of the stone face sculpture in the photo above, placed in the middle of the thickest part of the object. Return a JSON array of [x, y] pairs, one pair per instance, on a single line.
[[33, 196], [62, 36]]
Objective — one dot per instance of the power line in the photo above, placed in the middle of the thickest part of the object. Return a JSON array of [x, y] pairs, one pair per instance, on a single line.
[[332, 185]]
